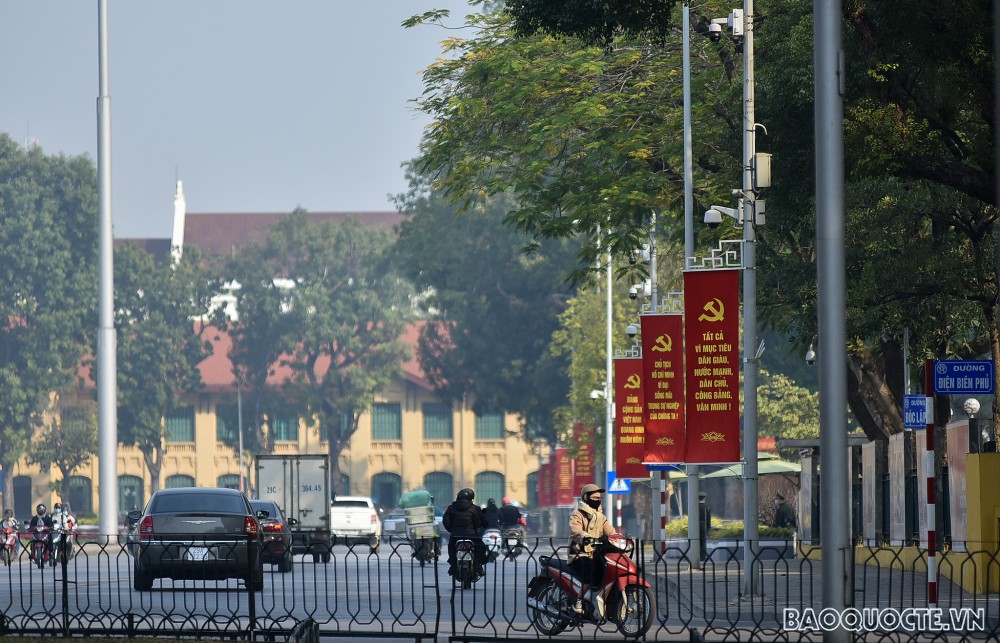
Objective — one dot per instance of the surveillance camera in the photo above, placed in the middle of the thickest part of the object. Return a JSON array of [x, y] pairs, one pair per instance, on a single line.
[[633, 292], [713, 218], [714, 32], [810, 356], [632, 330], [594, 394]]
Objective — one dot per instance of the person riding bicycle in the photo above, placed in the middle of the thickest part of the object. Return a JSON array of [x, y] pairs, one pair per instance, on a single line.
[[42, 519], [586, 524], [464, 520]]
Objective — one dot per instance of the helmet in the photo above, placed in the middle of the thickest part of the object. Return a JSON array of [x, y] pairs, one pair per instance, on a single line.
[[40, 509], [491, 502], [466, 494], [506, 501], [57, 507]]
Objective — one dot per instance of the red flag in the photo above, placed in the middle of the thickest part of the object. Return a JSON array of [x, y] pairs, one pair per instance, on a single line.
[[583, 466], [712, 314], [663, 388], [564, 478], [630, 419]]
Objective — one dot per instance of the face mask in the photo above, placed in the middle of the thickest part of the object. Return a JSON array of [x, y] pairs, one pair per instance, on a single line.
[[777, 502], [593, 503]]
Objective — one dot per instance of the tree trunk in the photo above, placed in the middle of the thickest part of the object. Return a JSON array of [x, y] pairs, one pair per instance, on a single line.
[[8, 483], [154, 462], [870, 399]]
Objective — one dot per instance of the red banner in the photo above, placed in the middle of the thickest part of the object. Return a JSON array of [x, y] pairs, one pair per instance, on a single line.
[[583, 466], [712, 315], [546, 485], [563, 478], [663, 388], [630, 419]]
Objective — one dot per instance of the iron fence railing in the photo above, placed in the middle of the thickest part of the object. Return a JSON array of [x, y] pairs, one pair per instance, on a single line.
[[392, 594]]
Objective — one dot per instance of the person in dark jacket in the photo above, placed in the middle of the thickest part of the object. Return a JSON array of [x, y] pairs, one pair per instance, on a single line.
[[492, 514], [463, 519], [510, 516]]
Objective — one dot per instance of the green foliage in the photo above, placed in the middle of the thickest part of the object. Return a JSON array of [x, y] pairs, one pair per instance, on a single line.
[[160, 343], [325, 301], [68, 439], [726, 529], [595, 21], [48, 286]]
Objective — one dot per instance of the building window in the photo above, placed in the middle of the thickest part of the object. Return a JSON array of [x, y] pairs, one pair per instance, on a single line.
[[179, 424], [532, 489], [285, 428], [178, 481], [130, 494], [81, 499], [22, 496], [489, 484], [227, 424], [441, 486], [489, 426], [386, 489], [345, 425], [437, 421], [228, 481], [387, 422]]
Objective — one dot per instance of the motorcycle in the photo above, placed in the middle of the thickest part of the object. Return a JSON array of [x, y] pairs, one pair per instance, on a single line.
[[425, 550], [62, 545], [8, 545], [623, 598], [491, 538], [512, 543], [465, 560], [40, 545]]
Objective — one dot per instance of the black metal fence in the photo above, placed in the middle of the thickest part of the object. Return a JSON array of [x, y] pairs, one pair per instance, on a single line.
[[392, 595]]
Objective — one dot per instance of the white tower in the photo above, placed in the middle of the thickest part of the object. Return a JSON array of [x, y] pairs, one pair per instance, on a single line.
[[180, 210]]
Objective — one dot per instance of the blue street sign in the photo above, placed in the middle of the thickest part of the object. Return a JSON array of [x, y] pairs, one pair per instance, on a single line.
[[963, 377], [618, 485], [914, 411]]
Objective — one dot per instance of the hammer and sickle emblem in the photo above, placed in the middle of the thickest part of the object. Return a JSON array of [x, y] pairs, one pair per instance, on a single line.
[[634, 381], [715, 311], [663, 344]]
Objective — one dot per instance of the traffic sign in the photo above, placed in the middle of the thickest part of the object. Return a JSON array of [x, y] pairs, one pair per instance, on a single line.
[[963, 377], [914, 411], [618, 485]]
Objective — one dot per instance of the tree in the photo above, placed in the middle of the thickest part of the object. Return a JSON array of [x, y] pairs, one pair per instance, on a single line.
[[48, 279], [161, 313], [68, 439], [339, 308], [469, 351], [593, 21]]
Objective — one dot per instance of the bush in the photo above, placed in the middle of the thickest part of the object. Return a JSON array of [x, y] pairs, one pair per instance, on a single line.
[[726, 529]]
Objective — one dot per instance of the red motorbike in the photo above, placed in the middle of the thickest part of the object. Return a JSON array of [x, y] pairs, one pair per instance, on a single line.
[[40, 553], [623, 598], [8, 545]]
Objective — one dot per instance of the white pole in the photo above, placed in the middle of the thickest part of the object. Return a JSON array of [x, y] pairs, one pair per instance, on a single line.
[[609, 460], [107, 343], [239, 424]]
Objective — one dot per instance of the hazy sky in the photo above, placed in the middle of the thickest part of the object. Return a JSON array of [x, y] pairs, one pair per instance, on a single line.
[[256, 106]]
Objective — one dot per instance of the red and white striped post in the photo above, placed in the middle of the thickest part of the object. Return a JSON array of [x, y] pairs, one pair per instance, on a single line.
[[621, 527], [929, 468], [663, 511]]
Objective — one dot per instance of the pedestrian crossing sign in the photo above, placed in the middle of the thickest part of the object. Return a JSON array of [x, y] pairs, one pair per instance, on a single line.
[[618, 485]]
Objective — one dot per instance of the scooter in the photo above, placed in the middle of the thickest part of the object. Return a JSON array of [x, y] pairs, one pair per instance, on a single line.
[[8, 545], [512, 543], [623, 598], [465, 560], [425, 550], [62, 545], [40, 545], [492, 538]]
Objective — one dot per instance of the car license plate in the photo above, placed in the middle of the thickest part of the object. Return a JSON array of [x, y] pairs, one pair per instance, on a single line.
[[197, 553]]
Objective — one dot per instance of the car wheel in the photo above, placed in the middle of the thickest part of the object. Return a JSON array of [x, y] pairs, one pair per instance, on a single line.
[[375, 547], [142, 581], [326, 557], [255, 583], [285, 564]]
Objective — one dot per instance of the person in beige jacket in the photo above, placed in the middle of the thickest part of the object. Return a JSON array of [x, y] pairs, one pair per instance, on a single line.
[[587, 521]]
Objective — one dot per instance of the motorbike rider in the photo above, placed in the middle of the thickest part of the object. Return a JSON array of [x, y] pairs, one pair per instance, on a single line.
[[10, 521], [492, 514], [43, 519], [587, 521], [464, 520], [510, 516], [64, 520]]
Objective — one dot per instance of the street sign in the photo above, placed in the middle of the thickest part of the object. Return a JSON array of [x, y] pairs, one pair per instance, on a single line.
[[963, 377], [914, 411], [618, 485]]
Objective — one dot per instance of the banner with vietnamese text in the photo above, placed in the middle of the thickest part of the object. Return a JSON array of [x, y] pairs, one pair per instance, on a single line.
[[663, 388], [564, 478], [583, 464], [630, 432], [712, 316]]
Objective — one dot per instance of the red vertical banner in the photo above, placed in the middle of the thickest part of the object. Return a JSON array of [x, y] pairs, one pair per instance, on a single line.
[[630, 419], [712, 317], [564, 478], [546, 484], [663, 388], [583, 465]]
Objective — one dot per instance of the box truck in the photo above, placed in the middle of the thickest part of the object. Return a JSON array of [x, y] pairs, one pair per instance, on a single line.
[[300, 484]]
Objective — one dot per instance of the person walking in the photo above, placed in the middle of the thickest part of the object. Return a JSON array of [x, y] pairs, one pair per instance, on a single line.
[[783, 514]]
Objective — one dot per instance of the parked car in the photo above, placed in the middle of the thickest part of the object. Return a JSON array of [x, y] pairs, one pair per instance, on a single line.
[[277, 534], [198, 533], [354, 519], [394, 525]]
